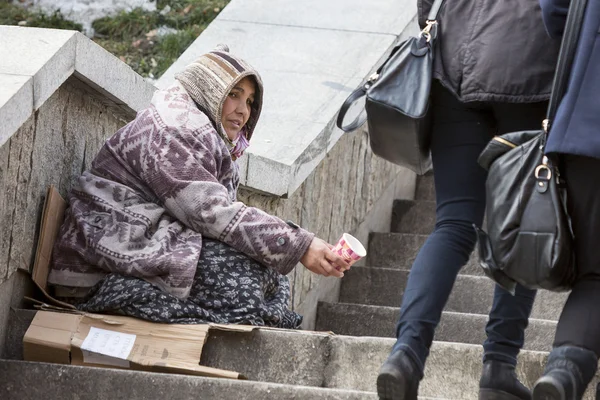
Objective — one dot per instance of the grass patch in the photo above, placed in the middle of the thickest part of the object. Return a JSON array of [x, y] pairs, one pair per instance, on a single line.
[[134, 36], [13, 14]]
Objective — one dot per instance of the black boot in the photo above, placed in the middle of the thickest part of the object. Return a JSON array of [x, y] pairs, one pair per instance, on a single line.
[[568, 373], [499, 382], [399, 378]]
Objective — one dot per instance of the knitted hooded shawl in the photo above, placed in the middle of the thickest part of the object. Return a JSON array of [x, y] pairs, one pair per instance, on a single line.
[[161, 183], [209, 80]]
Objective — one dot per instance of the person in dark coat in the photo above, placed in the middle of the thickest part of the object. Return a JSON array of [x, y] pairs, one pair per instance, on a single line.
[[493, 70], [575, 140]]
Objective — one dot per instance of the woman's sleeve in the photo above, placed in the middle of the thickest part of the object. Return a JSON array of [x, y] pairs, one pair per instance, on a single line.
[[554, 13], [181, 168]]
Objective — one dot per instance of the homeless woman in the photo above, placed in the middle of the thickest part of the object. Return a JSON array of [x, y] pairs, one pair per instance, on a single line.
[[154, 230]]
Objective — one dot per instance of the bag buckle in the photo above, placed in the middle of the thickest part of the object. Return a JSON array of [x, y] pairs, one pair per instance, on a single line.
[[426, 32], [546, 125], [373, 78], [543, 171]]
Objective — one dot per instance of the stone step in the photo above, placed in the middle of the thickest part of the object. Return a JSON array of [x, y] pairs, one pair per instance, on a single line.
[[23, 380], [471, 294], [276, 356], [425, 189], [365, 320], [413, 216], [399, 250]]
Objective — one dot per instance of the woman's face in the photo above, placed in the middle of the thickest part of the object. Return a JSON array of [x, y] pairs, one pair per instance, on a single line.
[[236, 110]]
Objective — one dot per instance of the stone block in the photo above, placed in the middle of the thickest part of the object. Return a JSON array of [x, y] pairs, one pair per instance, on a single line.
[[18, 323], [6, 290], [16, 103], [471, 294], [49, 57], [114, 79], [286, 357], [36, 47], [295, 49], [54, 72], [266, 175], [364, 320], [399, 250], [425, 188], [413, 217], [382, 17], [32, 381], [378, 219], [327, 290]]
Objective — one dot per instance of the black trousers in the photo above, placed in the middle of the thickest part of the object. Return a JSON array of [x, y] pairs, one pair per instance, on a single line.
[[579, 323], [460, 132]]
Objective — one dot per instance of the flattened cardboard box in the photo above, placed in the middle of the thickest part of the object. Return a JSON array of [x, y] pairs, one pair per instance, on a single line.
[[71, 337], [121, 342]]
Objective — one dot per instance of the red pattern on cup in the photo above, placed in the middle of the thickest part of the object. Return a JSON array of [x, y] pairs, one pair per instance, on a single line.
[[350, 253], [344, 251]]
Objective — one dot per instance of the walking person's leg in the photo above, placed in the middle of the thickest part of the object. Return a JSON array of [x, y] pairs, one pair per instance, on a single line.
[[574, 357], [459, 134]]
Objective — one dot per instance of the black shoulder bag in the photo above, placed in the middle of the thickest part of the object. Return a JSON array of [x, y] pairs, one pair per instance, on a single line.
[[529, 239], [397, 101]]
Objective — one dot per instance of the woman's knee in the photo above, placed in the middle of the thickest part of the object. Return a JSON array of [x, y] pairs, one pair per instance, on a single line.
[[460, 233]]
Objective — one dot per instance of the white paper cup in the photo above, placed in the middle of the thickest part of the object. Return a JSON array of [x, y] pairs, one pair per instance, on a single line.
[[349, 248]]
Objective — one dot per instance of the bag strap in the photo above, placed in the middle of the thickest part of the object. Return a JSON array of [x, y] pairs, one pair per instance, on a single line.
[[357, 94], [435, 9], [566, 56]]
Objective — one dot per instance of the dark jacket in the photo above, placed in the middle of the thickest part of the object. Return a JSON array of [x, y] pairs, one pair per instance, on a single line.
[[493, 50], [576, 127]]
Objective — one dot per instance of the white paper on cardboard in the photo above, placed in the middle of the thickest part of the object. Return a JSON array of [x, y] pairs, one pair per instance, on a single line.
[[105, 347]]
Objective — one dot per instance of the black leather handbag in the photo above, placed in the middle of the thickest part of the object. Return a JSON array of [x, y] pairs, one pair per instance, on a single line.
[[397, 101], [529, 239]]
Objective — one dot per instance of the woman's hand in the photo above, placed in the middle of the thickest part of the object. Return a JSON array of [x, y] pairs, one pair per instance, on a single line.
[[322, 261]]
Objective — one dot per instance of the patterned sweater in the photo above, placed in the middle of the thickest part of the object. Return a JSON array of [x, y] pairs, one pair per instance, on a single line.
[[157, 186]]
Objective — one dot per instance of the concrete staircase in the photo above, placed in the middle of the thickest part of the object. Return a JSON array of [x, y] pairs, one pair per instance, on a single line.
[[309, 365], [371, 295]]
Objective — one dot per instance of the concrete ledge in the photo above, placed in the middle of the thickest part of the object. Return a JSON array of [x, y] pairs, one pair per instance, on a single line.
[[311, 56], [35, 62]]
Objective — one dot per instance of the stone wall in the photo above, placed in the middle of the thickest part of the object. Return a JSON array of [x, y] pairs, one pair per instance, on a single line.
[[351, 191], [53, 146]]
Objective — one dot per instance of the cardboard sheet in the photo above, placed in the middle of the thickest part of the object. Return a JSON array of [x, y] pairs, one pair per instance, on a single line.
[[121, 342], [52, 218]]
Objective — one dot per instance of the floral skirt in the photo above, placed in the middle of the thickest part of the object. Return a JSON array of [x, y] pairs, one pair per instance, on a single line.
[[229, 287]]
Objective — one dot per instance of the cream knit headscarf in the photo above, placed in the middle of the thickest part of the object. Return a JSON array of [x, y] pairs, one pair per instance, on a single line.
[[209, 80]]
